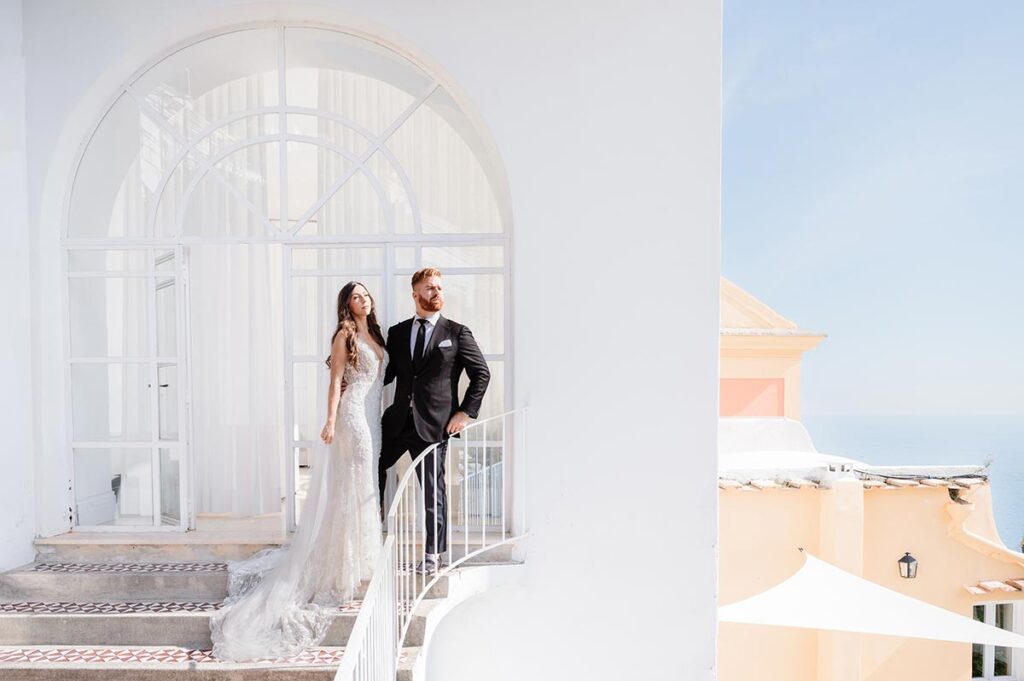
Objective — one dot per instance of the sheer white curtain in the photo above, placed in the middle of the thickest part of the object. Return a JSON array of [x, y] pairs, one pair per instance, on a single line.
[[236, 325], [238, 401]]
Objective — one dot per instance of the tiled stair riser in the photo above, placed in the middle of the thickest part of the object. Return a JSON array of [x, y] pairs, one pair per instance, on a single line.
[[113, 583]]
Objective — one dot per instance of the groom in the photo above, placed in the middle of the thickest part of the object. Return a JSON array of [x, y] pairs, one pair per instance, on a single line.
[[427, 355]]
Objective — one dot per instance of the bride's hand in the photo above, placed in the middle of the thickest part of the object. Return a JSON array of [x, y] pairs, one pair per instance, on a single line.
[[327, 434]]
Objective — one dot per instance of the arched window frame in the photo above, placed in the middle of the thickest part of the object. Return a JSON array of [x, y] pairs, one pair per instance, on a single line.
[[163, 250]]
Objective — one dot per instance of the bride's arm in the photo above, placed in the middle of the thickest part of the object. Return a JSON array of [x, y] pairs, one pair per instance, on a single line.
[[339, 358]]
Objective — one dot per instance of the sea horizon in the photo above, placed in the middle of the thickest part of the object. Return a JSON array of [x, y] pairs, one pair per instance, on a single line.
[[941, 439]]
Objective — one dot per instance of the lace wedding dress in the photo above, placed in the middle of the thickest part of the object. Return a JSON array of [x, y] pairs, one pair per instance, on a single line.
[[283, 600]]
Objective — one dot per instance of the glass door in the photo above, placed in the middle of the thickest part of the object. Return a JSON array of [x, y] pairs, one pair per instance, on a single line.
[[126, 387]]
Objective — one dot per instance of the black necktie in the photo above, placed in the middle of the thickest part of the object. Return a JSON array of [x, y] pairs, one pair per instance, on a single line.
[[421, 337]]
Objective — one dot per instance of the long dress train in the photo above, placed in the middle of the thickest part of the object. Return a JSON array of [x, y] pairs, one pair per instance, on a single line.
[[283, 600]]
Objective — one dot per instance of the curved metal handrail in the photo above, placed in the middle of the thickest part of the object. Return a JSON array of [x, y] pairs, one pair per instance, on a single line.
[[396, 583]]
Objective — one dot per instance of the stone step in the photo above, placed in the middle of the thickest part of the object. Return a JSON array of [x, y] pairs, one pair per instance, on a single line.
[[157, 663], [184, 625], [407, 663], [193, 547], [128, 582], [161, 547], [116, 582]]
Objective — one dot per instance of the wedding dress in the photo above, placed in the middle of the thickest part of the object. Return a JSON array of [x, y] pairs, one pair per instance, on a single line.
[[283, 600]]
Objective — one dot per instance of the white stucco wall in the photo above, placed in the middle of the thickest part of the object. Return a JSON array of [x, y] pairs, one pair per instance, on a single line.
[[17, 514], [607, 118]]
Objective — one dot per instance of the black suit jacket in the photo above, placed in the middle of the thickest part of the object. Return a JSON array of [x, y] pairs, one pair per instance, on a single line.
[[432, 389]]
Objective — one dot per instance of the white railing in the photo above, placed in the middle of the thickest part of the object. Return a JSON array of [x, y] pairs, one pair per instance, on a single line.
[[483, 509], [375, 636]]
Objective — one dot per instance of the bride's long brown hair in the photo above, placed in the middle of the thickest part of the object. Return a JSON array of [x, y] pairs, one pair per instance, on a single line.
[[347, 323]]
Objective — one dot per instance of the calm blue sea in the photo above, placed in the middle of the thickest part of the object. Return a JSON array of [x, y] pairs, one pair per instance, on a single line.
[[915, 440]]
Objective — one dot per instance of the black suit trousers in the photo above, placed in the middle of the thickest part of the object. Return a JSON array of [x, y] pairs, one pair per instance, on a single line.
[[431, 477]]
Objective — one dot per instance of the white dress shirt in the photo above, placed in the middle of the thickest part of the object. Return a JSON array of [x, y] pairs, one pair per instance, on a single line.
[[431, 323]]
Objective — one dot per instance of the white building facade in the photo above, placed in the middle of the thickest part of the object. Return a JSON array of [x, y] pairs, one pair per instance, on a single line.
[[191, 183]]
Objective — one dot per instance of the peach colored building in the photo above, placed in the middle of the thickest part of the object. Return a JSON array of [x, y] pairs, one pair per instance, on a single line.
[[759, 357], [778, 494]]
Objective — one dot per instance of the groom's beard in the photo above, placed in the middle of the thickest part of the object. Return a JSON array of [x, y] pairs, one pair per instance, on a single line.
[[432, 304]]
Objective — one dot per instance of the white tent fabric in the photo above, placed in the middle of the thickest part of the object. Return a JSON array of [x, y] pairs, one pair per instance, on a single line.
[[821, 596]]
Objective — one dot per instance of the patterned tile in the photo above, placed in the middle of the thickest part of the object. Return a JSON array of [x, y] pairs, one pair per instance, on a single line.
[[351, 607], [313, 656], [68, 608], [130, 567], [63, 608]]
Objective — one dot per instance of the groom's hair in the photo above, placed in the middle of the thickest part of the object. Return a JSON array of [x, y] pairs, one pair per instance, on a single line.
[[426, 272]]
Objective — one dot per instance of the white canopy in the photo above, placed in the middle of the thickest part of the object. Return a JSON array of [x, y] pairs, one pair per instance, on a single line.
[[821, 596]]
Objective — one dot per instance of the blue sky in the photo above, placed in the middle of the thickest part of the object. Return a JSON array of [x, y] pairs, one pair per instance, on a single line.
[[873, 189]]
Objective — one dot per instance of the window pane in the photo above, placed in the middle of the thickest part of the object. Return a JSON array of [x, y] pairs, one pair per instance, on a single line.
[[101, 260], [401, 299], [304, 460], [351, 259], [396, 187], [1002, 661], [167, 394], [170, 211], [439, 150], [311, 170], [350, 77], [121, 170], [306, 383], [170, 481], [358, 207], [463, 256], [113, 486], [215, 142], [1004, 620], [977, 661], [314, 310], [109, 317], [213, 79], [1004, 616], [338, 135], [236, 198], [405, 257], [111, 402], [166, 317], [164, 261], [476, 300]]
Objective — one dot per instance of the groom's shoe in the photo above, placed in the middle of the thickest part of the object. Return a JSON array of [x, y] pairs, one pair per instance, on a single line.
[[431, 564]]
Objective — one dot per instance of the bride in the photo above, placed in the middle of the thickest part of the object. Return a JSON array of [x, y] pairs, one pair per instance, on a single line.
[[283, 600]]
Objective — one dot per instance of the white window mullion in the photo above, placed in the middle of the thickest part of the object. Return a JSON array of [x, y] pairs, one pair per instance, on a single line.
[[65, 291], [154, 393], [509, 403], [1017, 654], [990, 651], [389, 276], [183, 389], [289, 391], [282, 102]]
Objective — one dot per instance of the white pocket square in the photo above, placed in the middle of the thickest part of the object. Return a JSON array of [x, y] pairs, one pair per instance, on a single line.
[[446, 343]]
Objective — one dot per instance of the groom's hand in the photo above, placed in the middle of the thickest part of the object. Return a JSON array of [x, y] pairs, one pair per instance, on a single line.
[[458, 423]]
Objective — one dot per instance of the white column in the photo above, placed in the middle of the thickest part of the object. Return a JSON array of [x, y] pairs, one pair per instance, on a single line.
[[17, 501]]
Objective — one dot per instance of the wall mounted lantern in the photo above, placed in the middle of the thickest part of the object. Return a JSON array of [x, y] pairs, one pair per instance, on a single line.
[[908, 566]]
